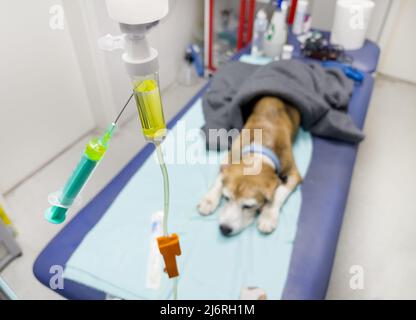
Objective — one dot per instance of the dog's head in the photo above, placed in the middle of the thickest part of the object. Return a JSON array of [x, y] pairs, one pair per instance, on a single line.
[[245, 195]]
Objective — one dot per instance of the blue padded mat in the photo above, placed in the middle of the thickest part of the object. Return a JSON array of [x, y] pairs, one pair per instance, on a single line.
[[325, 191]]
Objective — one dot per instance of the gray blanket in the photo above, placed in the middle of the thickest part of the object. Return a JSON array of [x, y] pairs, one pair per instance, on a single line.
[[321, 96]]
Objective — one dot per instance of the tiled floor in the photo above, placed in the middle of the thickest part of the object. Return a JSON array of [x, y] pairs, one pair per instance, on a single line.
[[378, 231]]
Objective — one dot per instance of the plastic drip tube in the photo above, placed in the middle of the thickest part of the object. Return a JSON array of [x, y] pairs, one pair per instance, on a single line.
[[165, 187], [166, 197], [6, 291], [149, 106]]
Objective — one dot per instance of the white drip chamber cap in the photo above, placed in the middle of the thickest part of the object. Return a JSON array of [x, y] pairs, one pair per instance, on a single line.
[[142, 67], [137, 11]]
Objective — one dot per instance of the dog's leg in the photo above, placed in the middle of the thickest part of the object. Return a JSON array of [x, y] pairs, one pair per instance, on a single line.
[[269, 215], [212, 199]]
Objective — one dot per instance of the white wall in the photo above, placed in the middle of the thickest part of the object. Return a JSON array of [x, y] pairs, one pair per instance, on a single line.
[[323, 16], [398, 42], [43, 102]]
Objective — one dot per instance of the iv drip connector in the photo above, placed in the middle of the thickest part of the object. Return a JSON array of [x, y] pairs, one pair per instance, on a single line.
[[139, 57]]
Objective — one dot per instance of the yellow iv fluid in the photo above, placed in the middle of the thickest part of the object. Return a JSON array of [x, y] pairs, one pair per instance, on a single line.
[[150, 109]]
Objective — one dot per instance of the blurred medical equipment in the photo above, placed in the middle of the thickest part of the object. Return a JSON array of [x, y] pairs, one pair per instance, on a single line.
[[292, 12], [276, 35], [9, 248], [300, 15], [187, 74], [234, 32], [4, 218], [351, 21], [197, 57], [260, 27], [316, 46], [287, 52], [225, 36]]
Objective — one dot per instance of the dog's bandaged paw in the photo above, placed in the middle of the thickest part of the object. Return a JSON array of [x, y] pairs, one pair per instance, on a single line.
[[208, 205], [267, 222]]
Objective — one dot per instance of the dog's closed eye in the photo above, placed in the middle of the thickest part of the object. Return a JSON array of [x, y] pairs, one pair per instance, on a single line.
[[248, 206]]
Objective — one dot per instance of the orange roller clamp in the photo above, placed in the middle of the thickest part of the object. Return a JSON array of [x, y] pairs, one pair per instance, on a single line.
[[169, 248]]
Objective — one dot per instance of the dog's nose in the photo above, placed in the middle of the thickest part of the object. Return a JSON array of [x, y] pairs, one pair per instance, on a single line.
[[225, 230]]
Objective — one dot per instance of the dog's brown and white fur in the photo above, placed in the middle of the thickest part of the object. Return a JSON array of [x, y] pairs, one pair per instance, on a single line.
[[266, 191]]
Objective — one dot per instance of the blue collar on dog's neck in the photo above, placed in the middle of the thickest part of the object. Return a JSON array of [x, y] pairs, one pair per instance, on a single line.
[[260, 149]]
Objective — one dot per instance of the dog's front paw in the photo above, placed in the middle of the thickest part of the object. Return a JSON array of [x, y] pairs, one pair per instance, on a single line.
[[267, 223], [207, 205]]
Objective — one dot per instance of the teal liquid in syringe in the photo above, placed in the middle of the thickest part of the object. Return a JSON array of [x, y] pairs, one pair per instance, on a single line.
[[94, 152]]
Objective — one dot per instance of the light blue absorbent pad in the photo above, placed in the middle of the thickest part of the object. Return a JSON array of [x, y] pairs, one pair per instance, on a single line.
[[113, 257], [247, 58]]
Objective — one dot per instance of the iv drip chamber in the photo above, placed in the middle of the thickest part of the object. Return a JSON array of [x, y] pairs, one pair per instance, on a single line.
[[149, 105]]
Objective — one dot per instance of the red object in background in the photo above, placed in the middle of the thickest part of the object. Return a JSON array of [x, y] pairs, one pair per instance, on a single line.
[[245, 35], [292, 12], [251, 13], [211, 36], [240, 36]]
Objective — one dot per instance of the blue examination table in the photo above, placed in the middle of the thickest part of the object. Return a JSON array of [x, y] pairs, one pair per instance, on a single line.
[[324, 194]]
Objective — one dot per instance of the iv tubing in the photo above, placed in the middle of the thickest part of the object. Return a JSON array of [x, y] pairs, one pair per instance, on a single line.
[[6, 291], [165, 204], [165, 187]]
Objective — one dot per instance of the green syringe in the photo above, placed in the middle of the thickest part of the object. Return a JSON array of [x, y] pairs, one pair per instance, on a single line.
[[94, 152]]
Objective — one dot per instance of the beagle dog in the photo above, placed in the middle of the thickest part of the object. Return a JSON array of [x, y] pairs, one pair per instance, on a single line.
[[260, 172]]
